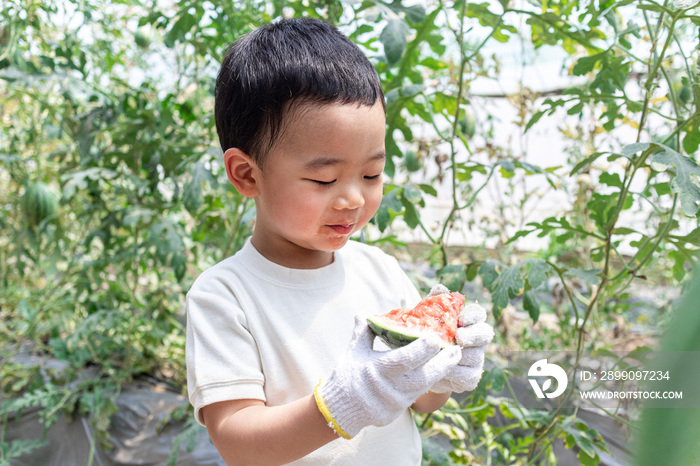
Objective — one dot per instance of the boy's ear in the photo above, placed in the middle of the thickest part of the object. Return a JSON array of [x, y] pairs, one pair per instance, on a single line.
[[242, 171]]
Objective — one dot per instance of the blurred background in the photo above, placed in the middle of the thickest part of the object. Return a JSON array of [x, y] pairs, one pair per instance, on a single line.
[[542, 159]]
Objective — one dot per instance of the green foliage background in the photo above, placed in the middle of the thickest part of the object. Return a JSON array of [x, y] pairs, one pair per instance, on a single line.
[[110, 104]]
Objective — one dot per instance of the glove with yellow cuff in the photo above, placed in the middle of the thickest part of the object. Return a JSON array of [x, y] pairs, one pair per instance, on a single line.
[[370, 387]]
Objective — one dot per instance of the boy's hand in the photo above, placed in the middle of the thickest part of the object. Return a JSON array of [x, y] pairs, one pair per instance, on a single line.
[[370, 387], [472, 337]]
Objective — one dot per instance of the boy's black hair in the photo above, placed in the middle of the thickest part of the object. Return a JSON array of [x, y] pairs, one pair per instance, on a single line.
[[297, 60]]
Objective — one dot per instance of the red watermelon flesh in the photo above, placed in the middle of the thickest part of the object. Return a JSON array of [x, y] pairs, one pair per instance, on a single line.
[[436, 314]]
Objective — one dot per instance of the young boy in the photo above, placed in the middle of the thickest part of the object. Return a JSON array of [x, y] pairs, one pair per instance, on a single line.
[[280, 362]]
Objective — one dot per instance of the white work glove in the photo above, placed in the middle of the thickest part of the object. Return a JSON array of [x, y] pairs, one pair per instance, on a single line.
[[473, 334], [370, 387]]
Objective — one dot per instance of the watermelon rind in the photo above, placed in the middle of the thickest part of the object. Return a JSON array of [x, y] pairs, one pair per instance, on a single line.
[[394, 335]]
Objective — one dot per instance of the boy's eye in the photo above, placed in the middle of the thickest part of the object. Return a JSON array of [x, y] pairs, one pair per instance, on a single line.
[[373, 177], [323, 183]]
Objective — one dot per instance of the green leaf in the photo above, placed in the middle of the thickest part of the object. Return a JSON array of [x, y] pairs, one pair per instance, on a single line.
[[403, 92], [632, 149], [412, 194], [507, 168], [428, 189], [192, 195], [136, 216], [493, 380], [411, 215], [411, 90], [466, 172], [21, 447], [610, 179], [537, 274], [533, 120], [170, 249], [392, 96], [489, 273], [663, 188], [414, 13], [511, 282], [624, 231], [482, 13], [576, 109], [388, 209], [691, 141], [654, 7], [392, 150], [519, 234], [78, 181], [590, 276], [453, 276], [613, 74], [587, 460], [179, 29], [531, 305], [579, 434], [679, 260], [563, 238], [586, 64], [433, 453], [602, 208], [490, 20], [685, 181], [530, 168], [551, 225], [433, 63], [473, 270], [444, 104], [693, 237], [393, 37], [497, 379]]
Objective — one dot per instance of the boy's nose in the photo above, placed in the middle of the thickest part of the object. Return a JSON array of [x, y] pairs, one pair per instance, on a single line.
[[351, 197]]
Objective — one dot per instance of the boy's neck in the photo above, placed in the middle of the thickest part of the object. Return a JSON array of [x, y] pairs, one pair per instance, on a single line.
[[293, 256]]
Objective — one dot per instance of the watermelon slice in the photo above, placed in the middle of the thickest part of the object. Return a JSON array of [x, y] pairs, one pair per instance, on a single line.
[[436, 314]]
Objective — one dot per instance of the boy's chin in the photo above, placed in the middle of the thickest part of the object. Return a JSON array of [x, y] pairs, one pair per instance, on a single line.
[[333, 243]]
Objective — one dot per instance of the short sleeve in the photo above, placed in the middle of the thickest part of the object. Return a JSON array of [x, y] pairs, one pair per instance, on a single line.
[[405, 288], [411, 294], [223, 361]]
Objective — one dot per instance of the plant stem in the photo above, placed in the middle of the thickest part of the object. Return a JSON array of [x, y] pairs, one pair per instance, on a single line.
[[661, 236], [476, 193], [515, 400], [541, 451], [533, 446], [654, 68], [560, 273], [453, 150]]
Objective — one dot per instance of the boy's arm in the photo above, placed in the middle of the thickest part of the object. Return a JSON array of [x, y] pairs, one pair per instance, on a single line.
[[430, 402], [249, 432], [365, 388]]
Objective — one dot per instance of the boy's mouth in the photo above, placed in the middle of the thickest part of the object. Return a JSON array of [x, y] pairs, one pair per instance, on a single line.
[[343, 229]]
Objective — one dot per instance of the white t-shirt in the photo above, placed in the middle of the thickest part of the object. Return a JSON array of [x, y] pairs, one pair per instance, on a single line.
[[258, 330]]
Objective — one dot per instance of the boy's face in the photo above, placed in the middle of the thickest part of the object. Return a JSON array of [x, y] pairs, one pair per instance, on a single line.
[[321, 182]]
